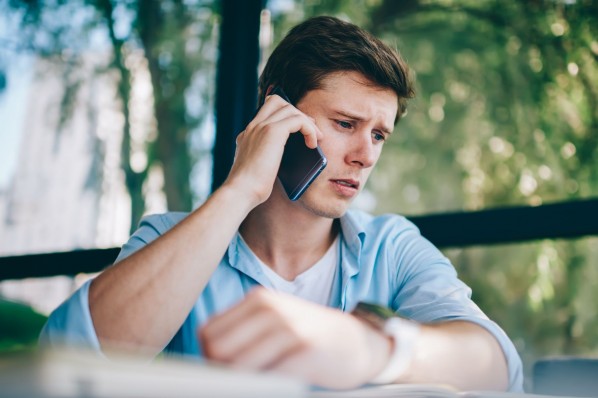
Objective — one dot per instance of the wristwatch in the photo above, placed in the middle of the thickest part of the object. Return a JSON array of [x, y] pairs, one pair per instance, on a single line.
[[404, 334]]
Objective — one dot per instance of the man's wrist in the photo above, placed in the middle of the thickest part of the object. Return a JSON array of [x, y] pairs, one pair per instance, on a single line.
[[243, 196], [402, 333]]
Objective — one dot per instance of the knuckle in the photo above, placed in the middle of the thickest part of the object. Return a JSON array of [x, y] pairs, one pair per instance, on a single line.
[[265, 128], [259, 294], [207, 345], [217, 350], [240, 136], [215, 347], [278, 99], [302, 342], [204, 333]]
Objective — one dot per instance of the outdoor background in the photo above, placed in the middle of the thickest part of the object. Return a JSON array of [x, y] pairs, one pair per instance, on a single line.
[[106, 114]]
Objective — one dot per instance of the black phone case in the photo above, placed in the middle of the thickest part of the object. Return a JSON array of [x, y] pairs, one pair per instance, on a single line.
[[300, 164]]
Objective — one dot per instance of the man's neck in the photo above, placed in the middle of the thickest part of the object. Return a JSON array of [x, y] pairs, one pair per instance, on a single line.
[[286, 237]]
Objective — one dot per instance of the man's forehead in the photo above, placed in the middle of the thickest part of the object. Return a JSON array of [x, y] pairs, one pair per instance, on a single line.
[[333, 78], [342, 84]]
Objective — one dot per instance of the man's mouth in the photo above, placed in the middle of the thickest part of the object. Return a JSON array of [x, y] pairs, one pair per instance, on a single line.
[[348, 183]]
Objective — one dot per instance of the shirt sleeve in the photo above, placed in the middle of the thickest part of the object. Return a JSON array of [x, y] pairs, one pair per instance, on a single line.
[[70, 324], [430, 291]]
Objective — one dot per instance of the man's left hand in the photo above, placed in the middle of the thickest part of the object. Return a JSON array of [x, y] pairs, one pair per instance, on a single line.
[[274, 331]]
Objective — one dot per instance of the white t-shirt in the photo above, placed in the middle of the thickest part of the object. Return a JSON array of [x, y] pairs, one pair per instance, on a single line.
[[314, 284]]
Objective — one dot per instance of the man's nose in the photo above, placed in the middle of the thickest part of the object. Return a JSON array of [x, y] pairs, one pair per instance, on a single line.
[[362, 151]]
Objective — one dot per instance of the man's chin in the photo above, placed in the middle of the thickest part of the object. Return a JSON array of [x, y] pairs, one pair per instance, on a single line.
[[326, 210]]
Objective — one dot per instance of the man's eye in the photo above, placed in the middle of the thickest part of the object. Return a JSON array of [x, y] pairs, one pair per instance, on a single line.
[[344, 124], [379, 137]]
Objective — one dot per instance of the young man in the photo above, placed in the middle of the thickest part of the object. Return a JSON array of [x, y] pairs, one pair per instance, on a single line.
[[257, 281]]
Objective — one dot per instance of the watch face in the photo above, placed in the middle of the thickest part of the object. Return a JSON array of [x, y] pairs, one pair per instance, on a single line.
[[373, 314]]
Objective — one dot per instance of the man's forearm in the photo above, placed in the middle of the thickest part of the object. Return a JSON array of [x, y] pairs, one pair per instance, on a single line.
[[163, 280], [462, 354], [143, 300]]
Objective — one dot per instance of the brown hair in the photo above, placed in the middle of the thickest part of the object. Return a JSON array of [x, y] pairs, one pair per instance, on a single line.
[[323, 45]]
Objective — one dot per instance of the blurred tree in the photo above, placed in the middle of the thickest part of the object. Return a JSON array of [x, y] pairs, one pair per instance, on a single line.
[[176, 40], [20, 326], [506, 90], [506, 113]]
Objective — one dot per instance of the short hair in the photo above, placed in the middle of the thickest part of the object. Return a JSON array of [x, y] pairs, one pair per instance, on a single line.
[[323, 45]]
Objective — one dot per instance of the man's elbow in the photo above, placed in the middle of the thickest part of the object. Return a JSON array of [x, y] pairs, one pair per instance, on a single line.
[[490, 358]]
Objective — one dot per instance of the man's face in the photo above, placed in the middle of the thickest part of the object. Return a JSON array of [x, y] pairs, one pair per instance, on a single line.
[[355, 117]]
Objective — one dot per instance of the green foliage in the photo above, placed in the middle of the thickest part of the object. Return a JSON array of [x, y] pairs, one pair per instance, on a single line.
[[175, 41], [19, 326], [506, 113]]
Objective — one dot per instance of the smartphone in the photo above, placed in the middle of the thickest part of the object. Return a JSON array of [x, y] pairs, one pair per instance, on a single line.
[[300, 164]]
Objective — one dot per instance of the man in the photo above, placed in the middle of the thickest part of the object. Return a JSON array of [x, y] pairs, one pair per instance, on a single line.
[[194, 283]]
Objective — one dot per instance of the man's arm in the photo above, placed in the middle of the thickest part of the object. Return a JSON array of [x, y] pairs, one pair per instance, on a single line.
[[274, 331], [140, 302], [332, 349], [458, 353]]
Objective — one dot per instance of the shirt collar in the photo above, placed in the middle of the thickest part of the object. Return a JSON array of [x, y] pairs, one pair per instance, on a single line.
[[242, 259], [353, 231], [354, 236], [353, 239]]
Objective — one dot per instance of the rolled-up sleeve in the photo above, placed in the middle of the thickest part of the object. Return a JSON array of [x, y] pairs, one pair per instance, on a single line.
[[71, 324], [429, 291]]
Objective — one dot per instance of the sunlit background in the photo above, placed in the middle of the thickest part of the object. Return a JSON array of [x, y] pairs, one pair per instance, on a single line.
[[106, 114]]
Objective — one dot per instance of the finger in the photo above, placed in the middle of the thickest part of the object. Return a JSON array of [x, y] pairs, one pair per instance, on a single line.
[[295, 123], [268, 349], [311, 140], [320, 135], [242, 312], [272, 103], [276, 110], [285, 111], [311, 135], [297, 363], [239, 137], [315, 368], [226, 320], [228, 345]]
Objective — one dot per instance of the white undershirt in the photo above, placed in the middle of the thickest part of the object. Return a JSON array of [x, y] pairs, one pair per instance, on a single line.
[[314, 284]]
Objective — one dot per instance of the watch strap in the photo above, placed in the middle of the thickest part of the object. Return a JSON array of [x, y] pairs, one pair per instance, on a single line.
[[404, 334]]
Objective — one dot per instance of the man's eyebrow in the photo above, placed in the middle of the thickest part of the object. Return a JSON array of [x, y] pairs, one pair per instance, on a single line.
[[384, 129]]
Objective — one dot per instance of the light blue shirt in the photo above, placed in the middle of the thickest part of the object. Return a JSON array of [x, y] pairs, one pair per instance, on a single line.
[[383, 260]]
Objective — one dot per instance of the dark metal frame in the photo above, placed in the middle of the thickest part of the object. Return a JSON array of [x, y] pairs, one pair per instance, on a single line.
[[235, 105], [567, 220], [237, 75]]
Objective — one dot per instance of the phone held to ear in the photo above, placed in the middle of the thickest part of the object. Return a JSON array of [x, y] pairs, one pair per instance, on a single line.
[[300, 164]]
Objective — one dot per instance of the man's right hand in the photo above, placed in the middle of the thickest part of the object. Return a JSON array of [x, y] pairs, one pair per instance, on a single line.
[[261, 144]]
